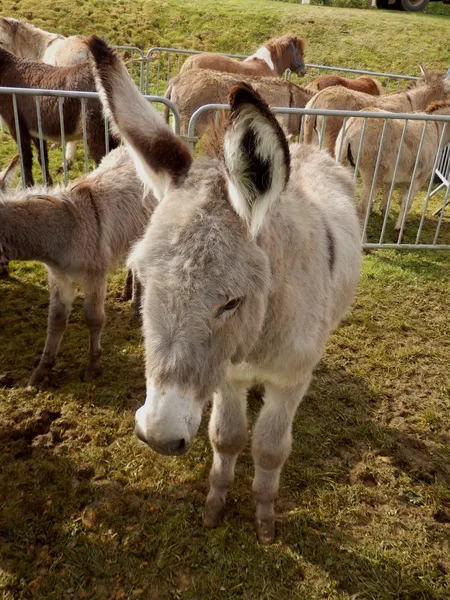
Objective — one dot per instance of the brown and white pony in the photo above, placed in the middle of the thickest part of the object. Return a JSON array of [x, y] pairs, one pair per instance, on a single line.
[[365, 84], [271, 60], [247, 264]]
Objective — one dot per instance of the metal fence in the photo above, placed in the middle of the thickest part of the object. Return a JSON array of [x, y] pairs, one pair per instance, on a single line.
[[164, 63], [426, 226], [418, 229], [59, 97]]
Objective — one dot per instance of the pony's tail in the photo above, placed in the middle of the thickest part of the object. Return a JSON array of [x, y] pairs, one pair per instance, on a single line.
[[167, 95]]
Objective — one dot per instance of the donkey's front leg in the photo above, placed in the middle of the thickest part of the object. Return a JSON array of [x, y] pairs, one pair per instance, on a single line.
[[228, 435], [94, 312], [62, 294], [272, 442]]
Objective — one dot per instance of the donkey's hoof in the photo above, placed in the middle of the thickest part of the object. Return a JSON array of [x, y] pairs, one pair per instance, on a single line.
[[40, 379], [90, 372], [213, 512], [266, 531]]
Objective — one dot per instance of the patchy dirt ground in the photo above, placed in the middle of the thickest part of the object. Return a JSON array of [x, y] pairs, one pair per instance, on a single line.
[[89, 512]]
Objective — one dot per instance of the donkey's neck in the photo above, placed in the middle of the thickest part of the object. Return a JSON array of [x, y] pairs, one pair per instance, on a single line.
[[33, 42], [423, 95], [264, 54]]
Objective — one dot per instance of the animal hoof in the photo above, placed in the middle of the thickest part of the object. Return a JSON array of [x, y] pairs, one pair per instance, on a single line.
[[266, 531], [212, 513], [90, 373], [40, 380]]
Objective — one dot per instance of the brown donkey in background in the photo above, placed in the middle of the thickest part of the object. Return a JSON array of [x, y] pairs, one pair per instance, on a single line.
[[431, 87], [364, 84], [21, 73], [80, 233], [247, 265]]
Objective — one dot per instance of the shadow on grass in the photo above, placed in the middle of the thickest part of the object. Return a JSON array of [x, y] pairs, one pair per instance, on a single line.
[[77, 529]]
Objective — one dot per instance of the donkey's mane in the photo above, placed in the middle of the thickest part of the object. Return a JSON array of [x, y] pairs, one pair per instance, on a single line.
[[437, 105], [279, 45]]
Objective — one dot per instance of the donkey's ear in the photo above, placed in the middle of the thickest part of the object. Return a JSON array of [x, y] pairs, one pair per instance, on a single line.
[[256, 156], [162, 160], [423, 71], [7, 174]]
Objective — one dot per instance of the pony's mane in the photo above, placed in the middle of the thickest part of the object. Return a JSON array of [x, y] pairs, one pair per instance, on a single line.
[[277, 46], [437, 105]]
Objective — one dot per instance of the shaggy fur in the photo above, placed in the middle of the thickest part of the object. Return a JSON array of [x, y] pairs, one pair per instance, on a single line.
[[234, 295], [79, 233], [272, 59], [432, 86], [391, 147], [191, 90], [365, 84], [22, 73]]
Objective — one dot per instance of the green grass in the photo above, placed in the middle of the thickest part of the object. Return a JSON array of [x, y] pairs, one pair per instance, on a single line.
[[88, 512]]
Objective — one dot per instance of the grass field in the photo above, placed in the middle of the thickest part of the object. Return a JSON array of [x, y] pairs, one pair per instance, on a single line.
[[87, 512]]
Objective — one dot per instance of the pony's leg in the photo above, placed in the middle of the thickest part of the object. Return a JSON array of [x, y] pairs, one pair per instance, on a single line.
[[228, 436], [271, 446], [71, 151], [27, 154], [38, 150], [128, 288], [136, 300], [405, 206], [4, 263], [62, 294], [94, 312]]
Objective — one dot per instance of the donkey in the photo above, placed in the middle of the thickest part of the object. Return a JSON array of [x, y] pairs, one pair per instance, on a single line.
[[431, 87], [247, 265], [79, 233], [191, 90], [271, 60], [27, 41], [391, 147], [365, 84], [22, 73], [6, 177]]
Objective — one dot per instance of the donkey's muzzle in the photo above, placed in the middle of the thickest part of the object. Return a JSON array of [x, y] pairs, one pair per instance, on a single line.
[[173, 448]]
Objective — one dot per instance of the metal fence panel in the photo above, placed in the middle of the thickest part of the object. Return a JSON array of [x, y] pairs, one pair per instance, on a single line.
[[162, 63], [420, 231]]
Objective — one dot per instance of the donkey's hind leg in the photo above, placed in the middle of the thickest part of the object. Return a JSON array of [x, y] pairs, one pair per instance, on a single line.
[[62, 294], [272, 441], [228, 436], [94, 312]]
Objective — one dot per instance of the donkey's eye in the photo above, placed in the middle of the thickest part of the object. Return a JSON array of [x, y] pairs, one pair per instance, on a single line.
[[229, 306]]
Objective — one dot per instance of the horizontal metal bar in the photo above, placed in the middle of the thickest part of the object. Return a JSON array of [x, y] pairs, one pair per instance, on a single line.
[[335, 113], [406, 246]]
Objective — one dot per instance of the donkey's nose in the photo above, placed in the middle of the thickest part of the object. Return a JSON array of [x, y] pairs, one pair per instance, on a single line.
[[177, 447], [174, 448]]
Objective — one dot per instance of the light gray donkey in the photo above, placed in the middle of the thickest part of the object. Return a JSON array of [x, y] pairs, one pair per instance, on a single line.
[[79, 233], [247, 265]]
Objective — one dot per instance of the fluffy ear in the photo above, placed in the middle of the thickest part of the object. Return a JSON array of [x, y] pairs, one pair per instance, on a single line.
[[162, 159], [7, 174], [256, 156]]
